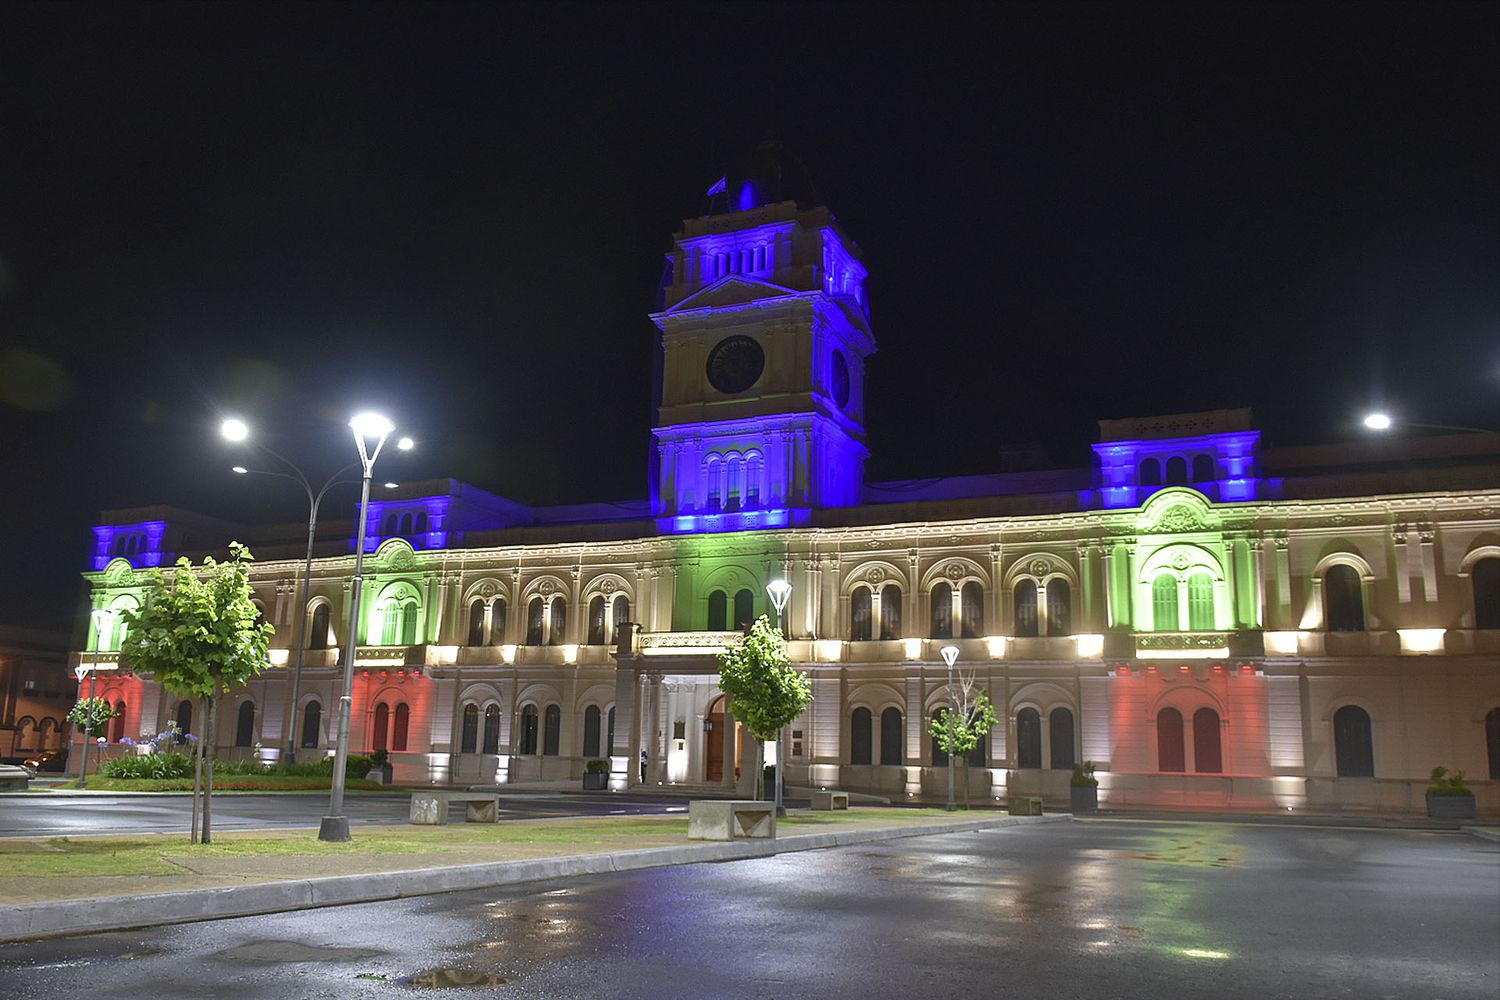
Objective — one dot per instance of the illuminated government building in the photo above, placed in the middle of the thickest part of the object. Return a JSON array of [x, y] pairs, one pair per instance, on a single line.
[[1216, 622]]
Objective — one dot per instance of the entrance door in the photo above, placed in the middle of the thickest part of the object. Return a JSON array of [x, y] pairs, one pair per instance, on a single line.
[[713, 756]]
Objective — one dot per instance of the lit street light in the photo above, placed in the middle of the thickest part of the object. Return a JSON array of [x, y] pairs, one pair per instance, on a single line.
[[950, 655], [780, 591], [1378, 421], [368, 427]]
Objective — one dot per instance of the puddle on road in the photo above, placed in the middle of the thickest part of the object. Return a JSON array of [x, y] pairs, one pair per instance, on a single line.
[[449, 978], [279, 952]]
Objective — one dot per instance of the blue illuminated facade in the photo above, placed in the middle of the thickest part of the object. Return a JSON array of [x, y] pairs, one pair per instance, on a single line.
[[1221, 462]]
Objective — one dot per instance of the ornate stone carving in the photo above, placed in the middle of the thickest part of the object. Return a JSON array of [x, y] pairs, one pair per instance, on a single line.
[[955, 571], [487, 589], [1180, 561], [875, 574], [1179, 518], [401, 557], [1040, 567], [546, 587], [607, 587]]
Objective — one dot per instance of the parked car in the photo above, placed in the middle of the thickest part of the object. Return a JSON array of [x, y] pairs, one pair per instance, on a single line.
[[49, 761]]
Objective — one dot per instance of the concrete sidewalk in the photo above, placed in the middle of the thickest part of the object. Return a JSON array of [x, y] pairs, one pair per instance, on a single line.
[[236, 897]]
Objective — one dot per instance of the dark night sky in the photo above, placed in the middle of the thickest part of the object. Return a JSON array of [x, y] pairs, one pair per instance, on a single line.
[[458, 214]]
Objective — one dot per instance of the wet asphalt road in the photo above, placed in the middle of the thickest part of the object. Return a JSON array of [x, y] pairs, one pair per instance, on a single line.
[[59, 815], [1098, 909]]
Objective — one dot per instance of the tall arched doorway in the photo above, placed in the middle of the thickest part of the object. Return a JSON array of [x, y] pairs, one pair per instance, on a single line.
[[713, 741]]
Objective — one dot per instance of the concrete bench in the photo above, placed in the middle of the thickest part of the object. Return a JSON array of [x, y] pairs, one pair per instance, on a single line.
[[431, 808], [829, 800], [1025, 805], [730, 819]]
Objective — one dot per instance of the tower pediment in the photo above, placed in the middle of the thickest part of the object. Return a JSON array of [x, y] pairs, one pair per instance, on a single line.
[[730, 290]]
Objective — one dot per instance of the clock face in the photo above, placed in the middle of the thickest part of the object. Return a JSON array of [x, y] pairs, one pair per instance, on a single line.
[[840, 380], [736, 364]]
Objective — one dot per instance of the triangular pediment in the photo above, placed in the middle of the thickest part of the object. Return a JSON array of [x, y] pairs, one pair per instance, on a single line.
[[731, 290]]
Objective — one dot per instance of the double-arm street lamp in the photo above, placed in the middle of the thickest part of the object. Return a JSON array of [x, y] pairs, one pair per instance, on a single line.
[[370, 432], [238, 431], [950, 656], [779, 591]]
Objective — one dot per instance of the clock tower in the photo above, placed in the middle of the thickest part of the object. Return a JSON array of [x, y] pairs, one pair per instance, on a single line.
[[765, 333]]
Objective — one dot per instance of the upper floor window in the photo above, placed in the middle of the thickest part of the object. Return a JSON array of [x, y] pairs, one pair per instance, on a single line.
[[317, 636], [1176, 471], [596, 620], [1150, 474], [718, 611], [1203, 469], [497, 621], [1059, 607], [557, 623], [890, 611], [399, 622], [1027, 622], [1343, 599], [861, 607], [1164, 603], [1486, 579], [942, 611], [476, 623], [536, 612], [971, 606], [744, 608], [1200, 602]]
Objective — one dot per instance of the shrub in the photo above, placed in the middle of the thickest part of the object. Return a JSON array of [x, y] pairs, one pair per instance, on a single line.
[[596, 766], [151, 765], [1083, 775], [380, 758], [1444, 783], [240, 767]]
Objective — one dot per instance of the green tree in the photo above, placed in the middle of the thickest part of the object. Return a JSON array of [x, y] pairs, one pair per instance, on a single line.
[[765, 691], [90, 715], [959, 729], [199, 634]]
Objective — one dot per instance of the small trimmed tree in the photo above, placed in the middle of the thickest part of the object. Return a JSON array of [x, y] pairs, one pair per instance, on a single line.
[[199, 634], [958, 730], [765, 691]]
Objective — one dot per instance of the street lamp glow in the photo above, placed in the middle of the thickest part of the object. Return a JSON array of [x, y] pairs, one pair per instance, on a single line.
[[371, 425], [238, 470], [405, 444], [391, 486], [234, 429], [1378, 421], [950, 655], [779, 590]]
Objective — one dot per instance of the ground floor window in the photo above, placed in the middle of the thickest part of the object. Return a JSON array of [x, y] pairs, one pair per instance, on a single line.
[[1353, 747]]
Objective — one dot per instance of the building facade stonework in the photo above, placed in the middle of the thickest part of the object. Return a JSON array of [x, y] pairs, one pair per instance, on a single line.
[[1214, 622]]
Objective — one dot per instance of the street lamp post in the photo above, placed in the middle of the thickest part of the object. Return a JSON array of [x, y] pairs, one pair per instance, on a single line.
[[780, 591], [950, 655], [236, 430], [101, 622], [367, 426]]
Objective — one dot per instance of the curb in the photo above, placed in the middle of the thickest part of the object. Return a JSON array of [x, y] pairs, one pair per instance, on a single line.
[[1482, 832], [67, 917]]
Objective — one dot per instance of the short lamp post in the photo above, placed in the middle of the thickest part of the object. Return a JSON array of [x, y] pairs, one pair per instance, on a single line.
[[780, 591], [237, 431], [368, 428], [950, 656], [102, 619]]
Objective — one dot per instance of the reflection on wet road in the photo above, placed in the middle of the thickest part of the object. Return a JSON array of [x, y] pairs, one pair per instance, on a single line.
[[1096, 909]]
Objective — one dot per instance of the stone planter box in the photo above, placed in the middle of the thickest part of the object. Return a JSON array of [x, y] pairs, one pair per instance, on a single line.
[[595, 782], [1085, 798], [1450, 806]]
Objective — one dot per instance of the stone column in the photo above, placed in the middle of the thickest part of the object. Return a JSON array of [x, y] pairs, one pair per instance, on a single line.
[[655, 734]]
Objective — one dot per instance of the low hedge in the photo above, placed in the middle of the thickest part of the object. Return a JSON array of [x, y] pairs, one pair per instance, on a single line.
[[179, 765]]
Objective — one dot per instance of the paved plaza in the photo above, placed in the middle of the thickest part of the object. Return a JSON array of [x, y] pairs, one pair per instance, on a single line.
[[1099, 908]]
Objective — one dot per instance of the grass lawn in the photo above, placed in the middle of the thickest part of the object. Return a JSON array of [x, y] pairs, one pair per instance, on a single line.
[[226, 783]]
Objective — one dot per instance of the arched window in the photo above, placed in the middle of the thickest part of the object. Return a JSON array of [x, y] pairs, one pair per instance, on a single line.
[[497, 621], [476, 623], [718, 611], [381, 734], [535, 611], [557, 627], [25, 729], [890, 611], [1059, 607], [596, 620], [317, 637], [405, 526], [1492, 740], [980, 755], [399, 725], [184, 720], [1200, 602], [117, 724], [732, 486], [1208, 756], [861, 737], [591, 731], [390, 524], [942, 611], [1028, 738], [492, 729], [528, 729], [46, 734], [621, 612], [419, 526], [399, 627], [1025, 603], [244, 729], [468, 738], [971, 601], [891, 736], [1150, 472], [312, 724], [1486, 579], [1060, 722], [859, 614], [1343, 598], [1176, 471], [939, 755], [1170, 754], [1203, 469], [1164, 603], [1353, 748], [551, 734], [744, 608]]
